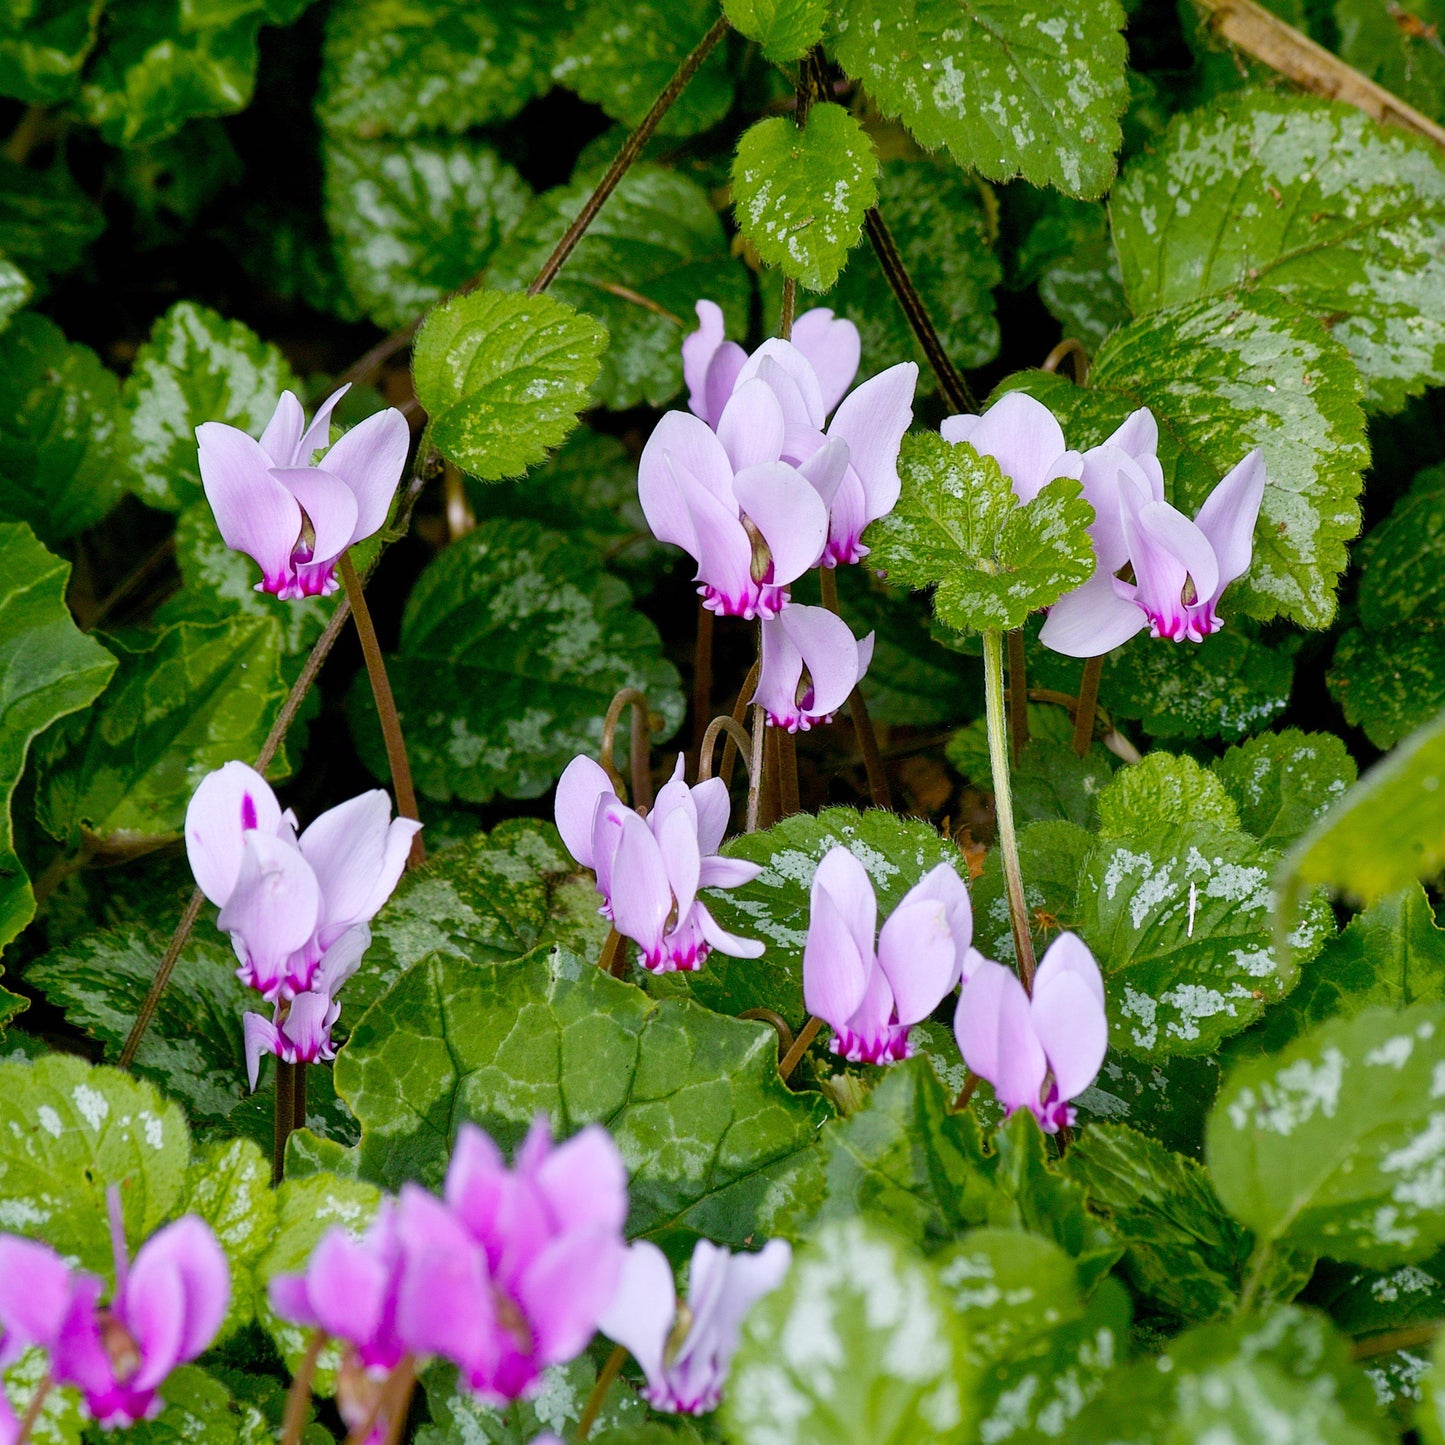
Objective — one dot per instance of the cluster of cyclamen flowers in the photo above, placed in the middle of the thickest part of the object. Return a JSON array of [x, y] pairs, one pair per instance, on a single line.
[[1179, 568], [296, 906], [758, 485], [512, 1271], [167, 1305]]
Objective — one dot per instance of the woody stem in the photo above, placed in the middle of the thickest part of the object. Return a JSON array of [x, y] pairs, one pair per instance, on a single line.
[[396, 759], [1003, 804]]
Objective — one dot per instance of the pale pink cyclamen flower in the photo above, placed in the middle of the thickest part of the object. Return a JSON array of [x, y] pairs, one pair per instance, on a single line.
[[649, 870], [810, 663], [1180, 568], [1038, 1052], [686, 1352], [808, 376], [871, 998], [165, 1310], [286, 900], [293, 518], [1023, 436]]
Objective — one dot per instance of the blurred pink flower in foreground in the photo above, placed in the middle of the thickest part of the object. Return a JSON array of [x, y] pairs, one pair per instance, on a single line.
[[292, 517]]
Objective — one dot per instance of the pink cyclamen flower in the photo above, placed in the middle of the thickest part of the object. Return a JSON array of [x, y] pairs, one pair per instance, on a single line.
[[1023, 436], [810, 663], [551, 1251], [871, 998], [808, 376], [1038, 1052], [1180, 568], [686, 1355], [649, 870], [287, 900], [165, 1310], [293, 518]]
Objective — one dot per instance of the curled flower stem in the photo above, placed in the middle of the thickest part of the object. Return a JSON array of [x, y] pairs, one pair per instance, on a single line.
[[1073, 351], [386, 711], [767, 1016], [1088, 705], [631, 149], [1018, 691], [740, 711], [1003, 804], [299, 1396], [32, 1413], [605, 1376], [285, 1117], [640, 757], [878, 788], [701, 680], [738, 742], [806, 1035]]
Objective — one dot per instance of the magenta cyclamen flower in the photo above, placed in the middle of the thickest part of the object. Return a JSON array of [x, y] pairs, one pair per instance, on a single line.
[[287, 900], [1038, 1052], [649, 870], [807, 377], [295, 519], [810, 663], [686, 1352], [872, 998], [1180, 568], [1023, 436], [165, 1310]]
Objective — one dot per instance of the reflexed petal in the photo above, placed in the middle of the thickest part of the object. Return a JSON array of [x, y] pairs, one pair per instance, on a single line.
[[835, 973], [785, 357], [476, 1178], [872, 1021], [677, 840], [751, 426], [1026, 440], [958, 428], [566, 1289], [1070, 1024], [724, 552], [722, 378], [851, 890], [719, 938], [35, 1294], [328, 502], [693, 448], [1102, 465], [872, 421], [228, 802], [1092, 619], [281, 441], [1138, 435], [941, 884], [584, 1182], [318, 434], [789, 514], [175, 1298], [698, 349], [582, 783], [261, 1037], [641, 896], [1069, 954], [749, 1277], [370, 459], [832, 347], [1167, 531], [916, 955], [357, 853], [673, 795], [346, 1285], [1227, 519], [255, 513], [829, 651], [826, 468], [996, 1038], [847, 519], [306, 1033], [780, 668], [273, 906], [641, 1313], [714, 807], [719, 872]]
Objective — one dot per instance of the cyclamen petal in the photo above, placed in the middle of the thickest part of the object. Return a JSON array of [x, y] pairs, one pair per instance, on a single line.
[[228, 804], [1023, 436], [810, 663], [832, 347]]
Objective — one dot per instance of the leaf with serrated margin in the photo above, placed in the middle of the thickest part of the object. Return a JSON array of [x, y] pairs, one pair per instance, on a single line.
[[959, 527], [1013, 88], [503, 377], [1223, 376], [786, 29], [1283, 782]]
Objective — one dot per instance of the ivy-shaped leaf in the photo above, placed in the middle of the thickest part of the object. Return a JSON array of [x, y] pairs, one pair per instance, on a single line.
[[1311, 198], [196, 367], [714, 1143], [1014, 89], [48, 669], [786, 29], [413, 221], [1283, 782], [503, 377], [1336, 1144], [656, 246], [800, 194], [512, 645], [1223, 376], [959, 527]]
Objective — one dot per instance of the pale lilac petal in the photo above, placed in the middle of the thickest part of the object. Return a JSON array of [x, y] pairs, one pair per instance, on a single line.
[[261, 1037], [1138, 435], [306, 1032], [916, 955], [780, 668], [802, 435], [995, 1035], [641, 1313], [722, 378], [872, 1021], [370, 459], [829, 652], [1165, 530], [1227, 519], [255, 513], [835, 973], [673, 796], [847, 518], [273, 906], [281, 440], [719, 938], [826, 468], [783, 355], [693, 448], [749, 1278], [942, 884], [582, 783], [346, 1286], [318, 434], [1026, 440], [35, 1294], [329, 504], [1092, 620], [677, 840], [789, 514], [958, 428], [714, 808], [720, 872], [476, 1178], [1102, 466], [664, 505], [751, 426], [698, 349], [724, 551], [175, 1298], [872, 421], [641, 897], [1070, 1024], [851, 889], [347, 848], [832, 347], [229, 802]]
